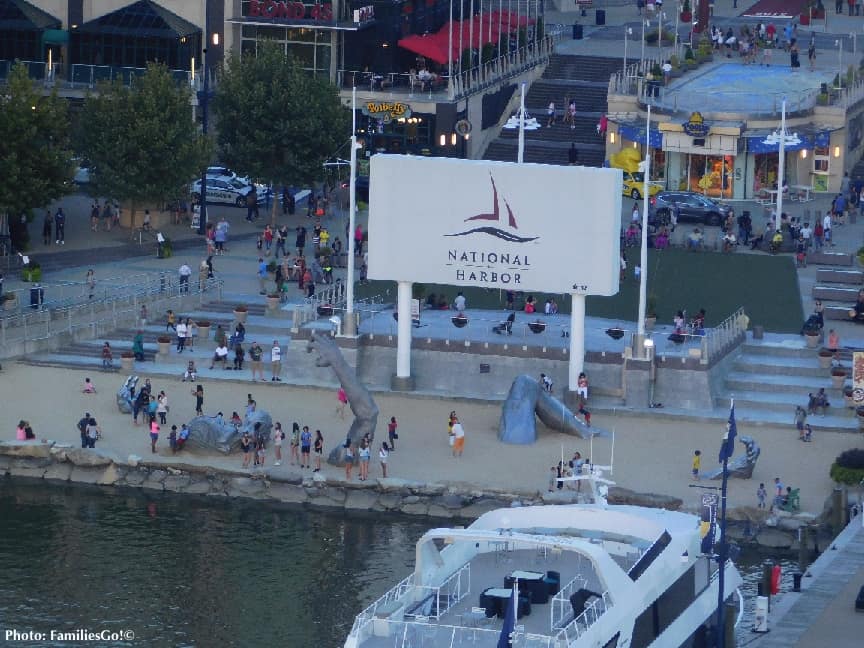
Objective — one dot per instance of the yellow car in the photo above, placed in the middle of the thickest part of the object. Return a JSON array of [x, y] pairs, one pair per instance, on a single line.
[[634, 185]]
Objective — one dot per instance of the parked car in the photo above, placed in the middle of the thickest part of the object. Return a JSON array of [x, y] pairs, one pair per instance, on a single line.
[[225, 190], [225, 172], [692, 207], [634, 184]]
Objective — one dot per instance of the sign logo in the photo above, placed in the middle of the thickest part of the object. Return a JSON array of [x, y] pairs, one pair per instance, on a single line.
[[504, 234], [273, 10], [386, 110], [696, 126]]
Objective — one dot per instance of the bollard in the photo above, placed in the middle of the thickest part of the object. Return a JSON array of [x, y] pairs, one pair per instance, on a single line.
[[796, 581]]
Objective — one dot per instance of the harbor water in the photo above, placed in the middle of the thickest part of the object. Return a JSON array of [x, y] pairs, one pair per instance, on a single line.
[[169, 570]]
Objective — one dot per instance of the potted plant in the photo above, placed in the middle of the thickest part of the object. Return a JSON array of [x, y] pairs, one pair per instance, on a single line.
[[240, 312], [31, 272], [127, 360], [273, 300], [825, 357], [203, 329], [10, 301], [651, 313], [326, 310], [704, 52], [838, 377], [813, 335], [848, 398], [537, 326], [164, 344], [686, 12], [460, 320]]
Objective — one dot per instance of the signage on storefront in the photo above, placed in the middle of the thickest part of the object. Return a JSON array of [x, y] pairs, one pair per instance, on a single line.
[[364, 13], [273, 10], [387, 110], [696, 126]]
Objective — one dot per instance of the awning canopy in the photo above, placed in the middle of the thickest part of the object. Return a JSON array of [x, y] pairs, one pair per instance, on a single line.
[[19, 15], [636, 133], [141, 19], [810, 138], [475, 33]]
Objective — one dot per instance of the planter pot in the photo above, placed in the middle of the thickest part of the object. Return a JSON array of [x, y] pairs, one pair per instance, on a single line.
[[615, 333], [240, 316], [327, 311], [272, 303], [649, 323], [459, 322], [838, 380], [203, 332], [127, 363], [825, 360], [537, 327], [849, 400], [812, 340], [164, 348], [11, 303]]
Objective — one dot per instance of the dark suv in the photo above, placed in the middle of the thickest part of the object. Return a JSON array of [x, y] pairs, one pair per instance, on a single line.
[[692, 207]]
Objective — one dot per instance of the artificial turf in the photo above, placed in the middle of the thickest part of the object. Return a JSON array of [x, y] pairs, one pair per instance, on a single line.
[[765, 286]]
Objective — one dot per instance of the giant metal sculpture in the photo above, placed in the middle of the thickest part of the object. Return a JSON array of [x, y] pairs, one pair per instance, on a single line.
[[359, 399], [742, 467], [210, 433], [527, 399], [126, 393]]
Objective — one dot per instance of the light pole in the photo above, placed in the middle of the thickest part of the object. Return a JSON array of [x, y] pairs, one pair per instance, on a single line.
[[660, 17], [348, 326], [627, 32], [643, 255], [781, 138], [205, 102], [839, 44]]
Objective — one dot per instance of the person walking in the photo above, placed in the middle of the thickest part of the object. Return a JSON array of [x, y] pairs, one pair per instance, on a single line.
[[761, 495], [342, 398], [162, 408], [47, 226], [239, 355], [295, 444], [246, 448], [154, 434], [138, 346], [107, 357], [276, 361], [60, 226], [184, 273], [90, 283], [255, 354], [93, 432], [364, 453], [82, 428], [349, 459], [182, 330], [262, 276], [697, 464], [392, 434], [458, 438], [318, 449], [198, 393]]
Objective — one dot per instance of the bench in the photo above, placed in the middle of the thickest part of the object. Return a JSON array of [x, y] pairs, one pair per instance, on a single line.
[[835, 293], [830, 275], [830, 258]]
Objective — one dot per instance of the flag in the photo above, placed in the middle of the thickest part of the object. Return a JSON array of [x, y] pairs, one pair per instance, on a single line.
[[505, 639], [727, 448]]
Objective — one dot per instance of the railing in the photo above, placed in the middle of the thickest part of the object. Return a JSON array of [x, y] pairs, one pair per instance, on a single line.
[[674, 100], [578, 626], [414, 634], [455, 588], [723, 337], [560, 608], [31, 324], [505, 66], [85, 76], [393, 594]]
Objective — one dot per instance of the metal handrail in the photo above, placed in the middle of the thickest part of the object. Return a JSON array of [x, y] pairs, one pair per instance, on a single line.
[[393, 594], [578, 626], [720, 339]]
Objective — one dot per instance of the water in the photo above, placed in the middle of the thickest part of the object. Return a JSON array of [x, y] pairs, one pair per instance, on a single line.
[[188, 571]]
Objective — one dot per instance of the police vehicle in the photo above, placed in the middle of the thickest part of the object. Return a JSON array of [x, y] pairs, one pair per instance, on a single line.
[[224, 190]]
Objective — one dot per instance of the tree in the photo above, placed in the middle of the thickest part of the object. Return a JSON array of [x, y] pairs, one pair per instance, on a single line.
[[35, 159], [277, 122], [141, 141]]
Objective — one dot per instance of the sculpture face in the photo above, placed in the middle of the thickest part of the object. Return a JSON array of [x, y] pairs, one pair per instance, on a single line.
[[206, 432]]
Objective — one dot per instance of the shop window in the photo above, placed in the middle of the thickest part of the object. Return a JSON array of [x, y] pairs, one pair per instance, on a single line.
[[821, 167]]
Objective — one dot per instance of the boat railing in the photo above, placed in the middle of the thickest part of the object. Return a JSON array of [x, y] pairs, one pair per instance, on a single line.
[[393, 594], [411, 634], [560, 609], [578, 626], [444, 596]]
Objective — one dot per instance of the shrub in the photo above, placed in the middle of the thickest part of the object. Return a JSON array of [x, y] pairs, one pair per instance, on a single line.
[[853, 458], [688, 54]]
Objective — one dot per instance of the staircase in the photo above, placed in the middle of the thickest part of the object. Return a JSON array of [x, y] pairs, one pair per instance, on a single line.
[[768, 379], [582, 78]]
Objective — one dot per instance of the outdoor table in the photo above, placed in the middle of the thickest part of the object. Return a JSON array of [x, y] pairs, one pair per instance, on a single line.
[[532, 583], [805, 189], [494, 600]]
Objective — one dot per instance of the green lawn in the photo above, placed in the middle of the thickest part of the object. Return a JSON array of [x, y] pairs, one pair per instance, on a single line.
[[766, 286]]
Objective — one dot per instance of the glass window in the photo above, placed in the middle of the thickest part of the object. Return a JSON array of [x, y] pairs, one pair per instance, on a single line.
[[322, 58], [305, 55]]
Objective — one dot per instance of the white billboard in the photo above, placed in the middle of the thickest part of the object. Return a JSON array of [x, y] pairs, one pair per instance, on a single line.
[[494, 224]]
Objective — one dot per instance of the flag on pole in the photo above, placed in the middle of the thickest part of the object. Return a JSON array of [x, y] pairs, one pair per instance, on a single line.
[[727, 448], [505, 639]]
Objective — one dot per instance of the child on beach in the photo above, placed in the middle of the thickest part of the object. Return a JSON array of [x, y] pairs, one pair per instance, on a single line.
[[89, 387], [761, 495], [546, 383], [172, 439], [697, 464]]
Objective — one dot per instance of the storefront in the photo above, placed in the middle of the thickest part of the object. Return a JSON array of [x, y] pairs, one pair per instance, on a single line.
[[392, 127], [22, 31]]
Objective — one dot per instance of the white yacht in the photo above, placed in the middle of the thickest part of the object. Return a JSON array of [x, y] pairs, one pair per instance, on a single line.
[[585, 575]]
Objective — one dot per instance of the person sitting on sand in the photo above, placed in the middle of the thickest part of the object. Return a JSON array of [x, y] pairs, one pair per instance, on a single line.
[[89, 387]]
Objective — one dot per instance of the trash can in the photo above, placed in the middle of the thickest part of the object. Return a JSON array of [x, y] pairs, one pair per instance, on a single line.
[[758, 332], [577, 31], [600, 17], [37, 297], [796, 582]]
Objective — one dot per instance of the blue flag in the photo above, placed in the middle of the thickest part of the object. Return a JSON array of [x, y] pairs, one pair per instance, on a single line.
[[727, 448], [509, 624]]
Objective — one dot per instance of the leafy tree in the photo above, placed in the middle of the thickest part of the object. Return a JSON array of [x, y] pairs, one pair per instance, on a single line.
[[35, 160], [277, 122], [141, 141]]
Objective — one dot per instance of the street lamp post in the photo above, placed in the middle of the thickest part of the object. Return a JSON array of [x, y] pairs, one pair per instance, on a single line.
[[642, 57], [627, 32], [782, 139], [839, 44], [205, 103], [660, 17], [349, 325]]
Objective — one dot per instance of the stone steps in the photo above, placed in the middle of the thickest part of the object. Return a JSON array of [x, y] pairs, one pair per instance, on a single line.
[[583, 68], [740, 382], [835, 293], [830, 258], [783, 349], [762, 367], [834, 275], [781, 402]]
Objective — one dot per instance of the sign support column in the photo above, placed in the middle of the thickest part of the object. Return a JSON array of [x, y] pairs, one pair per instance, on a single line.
[[403, 381], [577, 341]]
